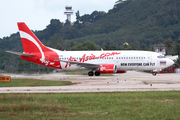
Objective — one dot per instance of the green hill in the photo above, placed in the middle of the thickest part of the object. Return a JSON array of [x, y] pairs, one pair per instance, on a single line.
[[137, 21]]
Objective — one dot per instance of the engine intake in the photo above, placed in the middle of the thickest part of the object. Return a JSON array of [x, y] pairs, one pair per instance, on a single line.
[[108, 68]]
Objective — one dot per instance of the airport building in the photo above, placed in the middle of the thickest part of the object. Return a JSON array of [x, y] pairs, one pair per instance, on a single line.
[[68, 12]]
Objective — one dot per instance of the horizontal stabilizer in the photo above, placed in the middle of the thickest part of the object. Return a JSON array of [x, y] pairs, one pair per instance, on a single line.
[[19, 53]]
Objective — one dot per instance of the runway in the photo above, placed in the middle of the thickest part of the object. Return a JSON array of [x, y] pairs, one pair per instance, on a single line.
[[130, 81]]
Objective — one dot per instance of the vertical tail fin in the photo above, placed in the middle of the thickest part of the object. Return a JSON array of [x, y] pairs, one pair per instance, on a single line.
[[30, 42], [34, 50]]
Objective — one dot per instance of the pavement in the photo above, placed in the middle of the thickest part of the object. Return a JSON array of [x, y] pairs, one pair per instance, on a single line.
[[130, 81]]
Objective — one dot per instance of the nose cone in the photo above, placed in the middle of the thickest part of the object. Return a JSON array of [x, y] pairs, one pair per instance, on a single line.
[[170, 62]]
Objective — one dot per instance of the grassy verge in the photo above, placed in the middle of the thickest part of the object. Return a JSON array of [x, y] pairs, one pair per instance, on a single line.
[[33, 82], [87, 106]]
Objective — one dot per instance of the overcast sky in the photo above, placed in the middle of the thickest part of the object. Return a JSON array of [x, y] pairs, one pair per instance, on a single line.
[[38, 13]]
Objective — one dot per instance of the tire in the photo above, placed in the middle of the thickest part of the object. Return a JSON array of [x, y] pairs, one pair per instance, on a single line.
[[90, 73], [154, 73], [97, 73]]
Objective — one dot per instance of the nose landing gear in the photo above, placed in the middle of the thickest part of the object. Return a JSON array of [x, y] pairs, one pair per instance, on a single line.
[[154, 73]]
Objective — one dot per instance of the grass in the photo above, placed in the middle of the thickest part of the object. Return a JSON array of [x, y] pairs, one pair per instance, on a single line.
[[87, 106], [33, 82], [76, 72]]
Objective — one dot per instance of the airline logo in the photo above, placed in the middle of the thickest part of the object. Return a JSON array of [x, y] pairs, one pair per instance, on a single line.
[[85, 57], [162, 62]]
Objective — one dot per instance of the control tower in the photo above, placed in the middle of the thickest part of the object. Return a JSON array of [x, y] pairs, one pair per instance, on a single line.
[[68, 12]]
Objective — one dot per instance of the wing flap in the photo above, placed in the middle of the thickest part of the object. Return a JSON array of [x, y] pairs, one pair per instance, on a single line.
[[19, 53], [82, 64]]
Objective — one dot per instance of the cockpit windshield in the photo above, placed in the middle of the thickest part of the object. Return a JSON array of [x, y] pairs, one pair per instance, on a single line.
[[161, 56]]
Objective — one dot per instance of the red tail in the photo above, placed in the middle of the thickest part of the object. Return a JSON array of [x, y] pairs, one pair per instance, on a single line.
[[30, 42], [38, 53]]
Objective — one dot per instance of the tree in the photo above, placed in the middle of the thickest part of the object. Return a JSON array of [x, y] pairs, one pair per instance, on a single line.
[[54, 26], [111, 47], [71, 44], [88, 45], [56, 42], [67, 23], [177, 46], [127, 47], [143, 46], [77, 16], [177, 62], [92, 18], [168, 43]]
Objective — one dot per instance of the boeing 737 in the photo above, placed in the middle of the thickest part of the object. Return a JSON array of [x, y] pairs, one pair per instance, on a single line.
[[97, 62]]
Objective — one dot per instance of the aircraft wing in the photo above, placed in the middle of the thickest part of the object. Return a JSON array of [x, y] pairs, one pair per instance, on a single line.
[[19, 53], [81, 64]]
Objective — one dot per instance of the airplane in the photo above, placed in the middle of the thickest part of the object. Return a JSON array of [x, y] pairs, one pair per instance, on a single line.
[[102, 62]]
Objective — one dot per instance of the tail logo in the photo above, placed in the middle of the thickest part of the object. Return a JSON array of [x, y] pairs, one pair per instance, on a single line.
[[30, 38]]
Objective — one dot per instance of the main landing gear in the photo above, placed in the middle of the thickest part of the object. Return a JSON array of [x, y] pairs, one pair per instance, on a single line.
[[90, 73]]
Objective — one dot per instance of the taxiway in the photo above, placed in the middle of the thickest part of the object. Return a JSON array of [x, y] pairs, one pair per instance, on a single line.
[[130, 81]]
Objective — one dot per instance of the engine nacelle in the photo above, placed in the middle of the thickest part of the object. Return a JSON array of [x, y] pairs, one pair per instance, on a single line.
[[108, 68]]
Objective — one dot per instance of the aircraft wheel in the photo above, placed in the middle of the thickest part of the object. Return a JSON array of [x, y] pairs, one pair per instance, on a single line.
[[154, 73], [90, 73], [97, 73]]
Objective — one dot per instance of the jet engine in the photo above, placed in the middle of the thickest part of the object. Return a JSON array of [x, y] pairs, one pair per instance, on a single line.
[[108, 68]]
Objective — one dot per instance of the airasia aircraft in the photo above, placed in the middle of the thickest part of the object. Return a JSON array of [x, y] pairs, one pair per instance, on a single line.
[[99, 61]]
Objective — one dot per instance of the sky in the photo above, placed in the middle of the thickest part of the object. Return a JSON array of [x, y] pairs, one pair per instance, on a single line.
[[38, 13]]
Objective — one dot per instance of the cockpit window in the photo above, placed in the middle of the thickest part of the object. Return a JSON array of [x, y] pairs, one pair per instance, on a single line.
[[161, 56]]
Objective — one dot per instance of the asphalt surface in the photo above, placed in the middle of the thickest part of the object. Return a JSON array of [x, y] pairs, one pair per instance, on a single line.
[[130, 81]]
